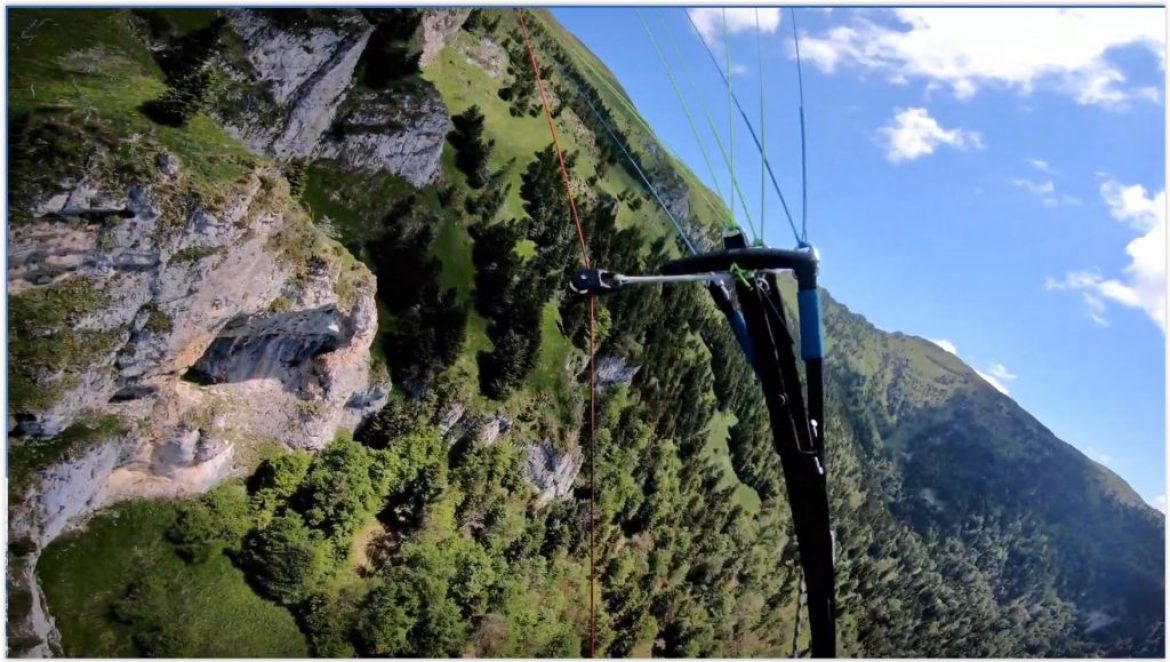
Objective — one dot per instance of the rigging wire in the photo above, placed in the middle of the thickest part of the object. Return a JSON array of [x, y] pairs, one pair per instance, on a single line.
[[682, 101], [752, 131], [592, 340], [735, 187], [803, 159], [635, 115], [698, 137], [689, 79], [645, 180], [730, 116], [763, 135]]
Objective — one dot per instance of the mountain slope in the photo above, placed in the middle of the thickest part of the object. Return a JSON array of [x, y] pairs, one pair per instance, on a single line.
[[401, 158], [976, 468]]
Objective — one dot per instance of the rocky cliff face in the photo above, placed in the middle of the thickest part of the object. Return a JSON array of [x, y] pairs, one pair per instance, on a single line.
[[398, 133], [552, 472], [439, 27], [293, 94], [303, 76], [166, 327], [212, 296], [195, 311], [198, 334]]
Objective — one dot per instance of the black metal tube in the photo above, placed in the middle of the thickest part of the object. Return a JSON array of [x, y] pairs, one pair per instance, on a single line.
[[803, 263]]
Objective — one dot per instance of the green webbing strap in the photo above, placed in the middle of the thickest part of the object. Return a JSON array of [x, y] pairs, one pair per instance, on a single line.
[[741, 275]]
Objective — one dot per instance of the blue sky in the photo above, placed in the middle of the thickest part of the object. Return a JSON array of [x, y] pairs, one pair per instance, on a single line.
[[991, 179]]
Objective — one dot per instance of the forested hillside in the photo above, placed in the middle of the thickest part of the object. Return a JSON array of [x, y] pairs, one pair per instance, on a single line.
[[294, 371]]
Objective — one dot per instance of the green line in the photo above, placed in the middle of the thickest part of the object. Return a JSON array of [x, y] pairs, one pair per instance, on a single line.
[[734, 182], [718, 141], [686, 109], [644, 128]]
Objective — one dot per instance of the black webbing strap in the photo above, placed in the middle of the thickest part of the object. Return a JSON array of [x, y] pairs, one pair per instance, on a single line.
[[800, 453]]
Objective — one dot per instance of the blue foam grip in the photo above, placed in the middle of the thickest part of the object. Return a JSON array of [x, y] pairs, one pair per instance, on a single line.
[[741, 334], [811, 331]]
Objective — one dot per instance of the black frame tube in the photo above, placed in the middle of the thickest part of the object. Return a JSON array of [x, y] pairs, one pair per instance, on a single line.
[[804, 472], [802, 263], [800, 444]]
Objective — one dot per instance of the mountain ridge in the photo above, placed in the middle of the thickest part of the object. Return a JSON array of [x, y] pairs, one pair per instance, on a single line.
[[455, 522]]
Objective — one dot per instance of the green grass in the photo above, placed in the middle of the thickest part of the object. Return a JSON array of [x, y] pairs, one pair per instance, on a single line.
[[84, 573], [354, 202], [716, 450], [549, 375], [477, 341], [452, 246], [463, 84], [708, 207], [87, 70]]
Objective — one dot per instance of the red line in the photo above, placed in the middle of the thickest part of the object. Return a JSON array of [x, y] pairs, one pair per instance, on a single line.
[[592, 484], [553, 129], [592, 339]]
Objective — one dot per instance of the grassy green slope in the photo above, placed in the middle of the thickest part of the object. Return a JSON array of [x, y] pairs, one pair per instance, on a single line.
[[83, 575], [897, 377], [103, 74], [462, 83], [710, 209]]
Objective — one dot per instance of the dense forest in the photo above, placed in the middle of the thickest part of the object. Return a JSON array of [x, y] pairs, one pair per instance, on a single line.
[[433, 529]]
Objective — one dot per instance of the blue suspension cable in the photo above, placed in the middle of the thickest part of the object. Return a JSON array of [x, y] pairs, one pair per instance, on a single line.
[[803, 160], [763, 125], [645, 180], [751, 130]]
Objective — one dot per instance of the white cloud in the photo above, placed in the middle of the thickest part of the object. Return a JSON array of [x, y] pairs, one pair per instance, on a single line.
[[1041, 165], [1096, 308], [1062, 200], [991, 379], [1159, 502], [1046, 191], [1000, 372], [1149, 93], [1039, 188], [1099, 457], [996, 375], [914, 134], [739, 69], [1143, 281], [968, 49], [1131, 204], [709, 21], [945, 344]]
